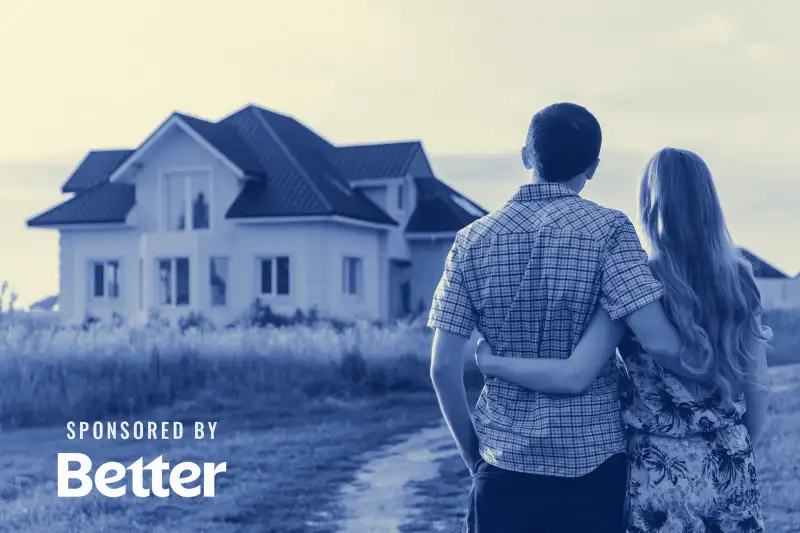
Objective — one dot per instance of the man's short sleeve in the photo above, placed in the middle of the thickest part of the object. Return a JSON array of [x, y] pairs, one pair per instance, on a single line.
[[627, 281], [452, 310]]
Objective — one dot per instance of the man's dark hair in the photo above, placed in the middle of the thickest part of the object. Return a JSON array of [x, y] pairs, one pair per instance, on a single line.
[[563, 141]]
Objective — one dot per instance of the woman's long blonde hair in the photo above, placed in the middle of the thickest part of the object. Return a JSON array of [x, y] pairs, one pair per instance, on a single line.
[[711, 294]]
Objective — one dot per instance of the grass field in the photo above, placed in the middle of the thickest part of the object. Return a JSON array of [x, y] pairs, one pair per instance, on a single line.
[[297, 409]]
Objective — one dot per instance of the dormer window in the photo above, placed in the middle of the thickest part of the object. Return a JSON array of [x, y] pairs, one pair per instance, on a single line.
[[186, 197]]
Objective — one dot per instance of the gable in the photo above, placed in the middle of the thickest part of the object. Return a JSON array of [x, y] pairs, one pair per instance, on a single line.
[[218, 139]]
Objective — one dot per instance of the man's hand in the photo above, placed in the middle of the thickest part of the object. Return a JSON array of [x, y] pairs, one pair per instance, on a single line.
[[447, 374], [475, 465]]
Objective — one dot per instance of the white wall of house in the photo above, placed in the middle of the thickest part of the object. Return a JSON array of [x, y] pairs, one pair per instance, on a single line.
[[397, 197], [427, 258], [316, 252], [402, 196], [779, 293], [78, 251]]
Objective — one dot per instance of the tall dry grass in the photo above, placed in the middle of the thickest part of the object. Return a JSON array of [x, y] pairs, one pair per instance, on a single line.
[[51, 374]]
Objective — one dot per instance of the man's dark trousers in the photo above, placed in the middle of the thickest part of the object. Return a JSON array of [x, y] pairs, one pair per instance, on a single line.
[[502, 501]]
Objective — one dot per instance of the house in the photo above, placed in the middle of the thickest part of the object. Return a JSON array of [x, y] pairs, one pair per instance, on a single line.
[[778, 291], [47, 304], [207, 216]]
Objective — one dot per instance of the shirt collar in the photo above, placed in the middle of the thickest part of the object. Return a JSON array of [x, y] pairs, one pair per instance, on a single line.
[[542, 191]]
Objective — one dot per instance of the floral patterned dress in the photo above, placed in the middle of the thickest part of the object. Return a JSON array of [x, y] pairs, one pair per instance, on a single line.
[[691, 461]]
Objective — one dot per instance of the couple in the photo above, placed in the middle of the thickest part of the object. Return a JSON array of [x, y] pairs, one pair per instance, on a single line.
[[555, 284]]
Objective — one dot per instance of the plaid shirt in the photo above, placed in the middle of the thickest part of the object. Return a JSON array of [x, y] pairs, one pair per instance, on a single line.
[[529, 277]]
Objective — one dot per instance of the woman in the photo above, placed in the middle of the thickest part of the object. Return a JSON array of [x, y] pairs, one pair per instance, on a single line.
[[690, 442]]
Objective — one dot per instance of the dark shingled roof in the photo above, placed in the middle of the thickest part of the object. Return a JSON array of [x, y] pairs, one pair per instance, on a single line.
[[103, 204], [761, 269], [300, 180], [437, 209], [292, 170], [226, 139], [369, 161], [95, 169], [45, 304]]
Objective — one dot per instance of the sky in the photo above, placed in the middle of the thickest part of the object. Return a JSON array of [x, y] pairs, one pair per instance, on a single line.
[[715, 76]]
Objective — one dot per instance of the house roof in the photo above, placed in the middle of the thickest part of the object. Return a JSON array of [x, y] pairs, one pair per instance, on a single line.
[[368, 161], [227, 141], [441, 209], [762, 269], [45, 304], [95, 169], [103, 204], [292, 171], [300, 179]]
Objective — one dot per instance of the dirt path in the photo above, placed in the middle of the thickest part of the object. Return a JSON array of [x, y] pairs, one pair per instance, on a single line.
[[380, 500]]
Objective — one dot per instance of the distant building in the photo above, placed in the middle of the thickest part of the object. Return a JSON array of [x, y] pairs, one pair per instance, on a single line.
[[778, 290], [208, 216], [46, 304]]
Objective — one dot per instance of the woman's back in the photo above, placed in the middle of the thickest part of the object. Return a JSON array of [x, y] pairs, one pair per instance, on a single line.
[[656, 401], [689, 447]]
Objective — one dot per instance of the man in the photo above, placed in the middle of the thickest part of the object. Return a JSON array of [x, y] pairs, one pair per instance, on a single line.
[[529, 277]]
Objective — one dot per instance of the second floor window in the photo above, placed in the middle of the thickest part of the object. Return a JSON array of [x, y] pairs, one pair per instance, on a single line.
[[186, 198]]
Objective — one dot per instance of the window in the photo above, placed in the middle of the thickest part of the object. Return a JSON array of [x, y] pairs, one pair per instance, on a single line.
[[274, 275], [401, 193], [218, 278], [187, 196], [352, 276], [105, 280], [173, 281], [198, 199]]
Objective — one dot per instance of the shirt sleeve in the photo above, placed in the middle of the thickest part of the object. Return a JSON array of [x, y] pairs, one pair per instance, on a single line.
[[451, 310], [627, 283]]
